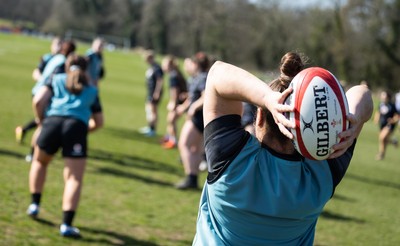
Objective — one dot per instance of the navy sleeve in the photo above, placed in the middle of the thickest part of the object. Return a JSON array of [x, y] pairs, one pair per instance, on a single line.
[[96, 106], [158, 73], [224, 139], [42, 65], [173, 81], [338, 166]]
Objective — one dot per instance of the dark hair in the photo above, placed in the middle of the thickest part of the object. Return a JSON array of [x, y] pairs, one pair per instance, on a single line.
[[202, 61], [171, 62], [76, 73], [291, 64], [67, 47]]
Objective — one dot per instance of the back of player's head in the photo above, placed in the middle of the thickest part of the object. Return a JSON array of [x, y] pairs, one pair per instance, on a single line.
[[97, 44], [202, 61], [76, 73], [67, 47], [291, 64]]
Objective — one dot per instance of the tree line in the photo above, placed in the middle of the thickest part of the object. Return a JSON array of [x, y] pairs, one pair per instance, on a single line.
[[355, 39]]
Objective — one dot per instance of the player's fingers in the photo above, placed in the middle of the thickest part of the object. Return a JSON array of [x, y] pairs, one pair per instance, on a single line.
[[284, 108], [287, 92], [285, 131], [337, 154]]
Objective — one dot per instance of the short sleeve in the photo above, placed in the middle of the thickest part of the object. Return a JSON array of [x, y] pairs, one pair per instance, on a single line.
[[96, 106], [224, 139], [338, 166]]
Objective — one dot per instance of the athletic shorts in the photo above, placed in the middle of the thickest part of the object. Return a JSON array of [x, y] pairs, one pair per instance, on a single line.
[[151, 99], [391, 126], [63, 132], [198, 120]]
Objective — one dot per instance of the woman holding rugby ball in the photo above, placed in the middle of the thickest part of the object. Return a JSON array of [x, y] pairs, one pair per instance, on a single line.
[[259, 190]]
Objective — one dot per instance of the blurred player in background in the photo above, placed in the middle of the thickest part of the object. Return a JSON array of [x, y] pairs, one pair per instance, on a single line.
[[248, 117], [55, 46], [177, 95], [386, 117], [191, 147], [54, 66], [154, 83], [94, 56], [68, 100]]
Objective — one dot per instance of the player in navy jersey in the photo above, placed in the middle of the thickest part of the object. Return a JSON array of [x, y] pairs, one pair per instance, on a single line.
[[68, 101], [20, 131], [259, 190], [386, 117], [191, 148], [154, 84], [248, 117], [177, 95], [95, 60]]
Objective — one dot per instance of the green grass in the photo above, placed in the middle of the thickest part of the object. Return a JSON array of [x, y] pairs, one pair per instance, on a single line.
[[128, 196]]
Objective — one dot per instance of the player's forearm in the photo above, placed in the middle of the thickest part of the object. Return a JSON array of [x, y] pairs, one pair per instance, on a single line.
[[234, 83]]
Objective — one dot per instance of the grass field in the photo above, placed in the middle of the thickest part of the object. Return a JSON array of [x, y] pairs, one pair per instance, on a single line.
[[128, 196]]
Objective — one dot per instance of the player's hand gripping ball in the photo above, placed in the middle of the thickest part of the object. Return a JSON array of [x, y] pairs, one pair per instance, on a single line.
[[320, 109]]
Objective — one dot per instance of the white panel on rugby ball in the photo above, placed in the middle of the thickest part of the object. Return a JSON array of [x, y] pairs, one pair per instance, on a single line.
[[320, 112]]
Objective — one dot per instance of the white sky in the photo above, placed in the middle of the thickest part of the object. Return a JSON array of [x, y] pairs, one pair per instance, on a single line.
[[306, 3]]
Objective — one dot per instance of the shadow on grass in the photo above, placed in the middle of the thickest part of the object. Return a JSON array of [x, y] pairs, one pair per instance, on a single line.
[[333, 216], [119, 173], [115, 238], [45, 222], [130, 135], [383, 183], [12, 153], [343, 198], [133, 161]]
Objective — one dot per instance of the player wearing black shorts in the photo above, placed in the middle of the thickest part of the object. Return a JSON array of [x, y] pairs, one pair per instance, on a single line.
[[177, 95], [20, 131], [191, 147], [154, 83], [386, 117], [68, 101]]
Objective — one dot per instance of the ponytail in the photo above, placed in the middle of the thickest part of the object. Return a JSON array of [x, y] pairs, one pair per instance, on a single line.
[[76, 74], [291, 64]]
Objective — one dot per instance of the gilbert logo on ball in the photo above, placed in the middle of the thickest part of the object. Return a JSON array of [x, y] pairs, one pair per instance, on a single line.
[[320, 109]]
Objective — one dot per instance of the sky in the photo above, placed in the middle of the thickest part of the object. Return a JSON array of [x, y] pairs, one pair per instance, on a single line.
[[307, 3]]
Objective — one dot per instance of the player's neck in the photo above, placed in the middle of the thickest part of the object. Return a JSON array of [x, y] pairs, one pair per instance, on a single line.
[[286, 147]]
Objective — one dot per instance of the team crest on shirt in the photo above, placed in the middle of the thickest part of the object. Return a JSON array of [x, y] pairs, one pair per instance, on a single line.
[[77, 149]]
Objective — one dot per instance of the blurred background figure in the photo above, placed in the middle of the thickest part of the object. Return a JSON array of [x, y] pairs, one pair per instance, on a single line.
[[249, 113], [177, 95], [191, 147], [386, 117], [154, 82], [94, 56], [54, 66], [21, 131], [63, 106]]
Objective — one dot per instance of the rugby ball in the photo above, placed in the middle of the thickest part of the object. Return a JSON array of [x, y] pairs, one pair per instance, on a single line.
[[320, 109]]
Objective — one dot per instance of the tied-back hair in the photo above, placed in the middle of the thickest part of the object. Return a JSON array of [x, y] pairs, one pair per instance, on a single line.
[[76, 74], [172, 65], [291, 64]]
